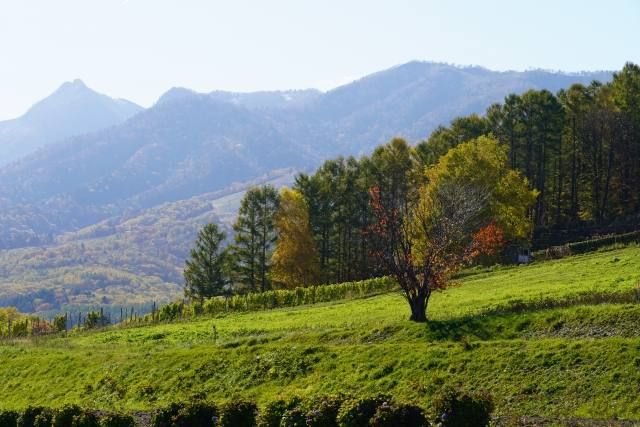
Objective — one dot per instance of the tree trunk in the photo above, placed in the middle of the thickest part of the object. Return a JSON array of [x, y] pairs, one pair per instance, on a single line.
[[418, 304]]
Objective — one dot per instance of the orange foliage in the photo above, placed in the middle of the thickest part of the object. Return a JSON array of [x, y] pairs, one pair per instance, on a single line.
[[487, 241]]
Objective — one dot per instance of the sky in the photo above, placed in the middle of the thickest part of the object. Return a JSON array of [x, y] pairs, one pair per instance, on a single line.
[[138, 49]]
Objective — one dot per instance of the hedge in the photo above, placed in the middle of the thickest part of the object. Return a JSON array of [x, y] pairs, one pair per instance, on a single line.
[[276, 299]]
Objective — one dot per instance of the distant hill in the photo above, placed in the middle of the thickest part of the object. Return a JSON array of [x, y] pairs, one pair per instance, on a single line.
[[191, 145], [73, 109], [123, 259]]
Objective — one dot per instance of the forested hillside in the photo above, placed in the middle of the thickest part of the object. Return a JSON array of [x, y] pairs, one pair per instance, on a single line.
[[189, 143], [122, 260], [71, 214], [579, 148]]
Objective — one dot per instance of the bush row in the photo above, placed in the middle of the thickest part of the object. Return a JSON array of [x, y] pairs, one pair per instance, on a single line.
[[68, 416], [277, 298], [453, 409], [556, 252]]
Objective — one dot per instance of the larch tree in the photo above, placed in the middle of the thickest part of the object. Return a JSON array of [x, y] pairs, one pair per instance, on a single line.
[[295, 261], [472, 203], [204, 273], [255, 237]]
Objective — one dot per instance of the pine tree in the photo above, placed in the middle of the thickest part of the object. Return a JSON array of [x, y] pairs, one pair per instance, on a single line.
[[255, 237], [204, 274]]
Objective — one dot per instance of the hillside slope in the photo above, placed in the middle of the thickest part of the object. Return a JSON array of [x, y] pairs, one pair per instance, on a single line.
[[130, 258], [190, 143], [524, 334]]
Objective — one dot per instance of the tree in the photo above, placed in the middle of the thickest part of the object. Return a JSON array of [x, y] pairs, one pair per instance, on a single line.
[[471, 202], [254, 237], [204, 273], [295, 260]]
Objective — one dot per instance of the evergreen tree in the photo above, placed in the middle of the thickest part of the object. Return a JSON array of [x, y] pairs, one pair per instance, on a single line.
[[255, 237], [204, 273]]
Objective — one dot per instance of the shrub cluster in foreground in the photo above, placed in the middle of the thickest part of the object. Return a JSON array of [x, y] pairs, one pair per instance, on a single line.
[[453, 409], [67, 416]]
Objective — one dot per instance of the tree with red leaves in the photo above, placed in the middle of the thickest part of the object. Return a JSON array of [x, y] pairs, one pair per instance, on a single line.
[[471, 205]]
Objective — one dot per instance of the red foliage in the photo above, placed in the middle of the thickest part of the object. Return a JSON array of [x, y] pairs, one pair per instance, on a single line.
[[487, 241]]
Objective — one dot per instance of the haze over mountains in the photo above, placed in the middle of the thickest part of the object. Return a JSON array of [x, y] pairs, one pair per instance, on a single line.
[[73, 109], [181, 154]]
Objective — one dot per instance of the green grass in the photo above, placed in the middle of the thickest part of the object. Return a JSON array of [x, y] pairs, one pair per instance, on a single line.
[[499, 331]]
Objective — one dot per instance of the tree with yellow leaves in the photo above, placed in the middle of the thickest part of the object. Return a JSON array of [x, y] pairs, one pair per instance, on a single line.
[[295, 261], [472, 203]]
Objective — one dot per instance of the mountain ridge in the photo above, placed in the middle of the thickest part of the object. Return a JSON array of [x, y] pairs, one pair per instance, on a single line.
[[72, 109], [190, 145]]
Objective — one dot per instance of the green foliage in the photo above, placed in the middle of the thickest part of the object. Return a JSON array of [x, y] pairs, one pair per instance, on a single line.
[[528, 334], [294, 417], [117, 420], [95, 319], [86, 419], [44, 418], [60, 323], [277, 298], [64, 416], [590, 245], [356, 412], [460, 409], [8, 418], [194, 414], [400, 415], [324, 412], [482, 164], [254, 238], [238, 413], [271, 415], [28, 415], [204, 274]]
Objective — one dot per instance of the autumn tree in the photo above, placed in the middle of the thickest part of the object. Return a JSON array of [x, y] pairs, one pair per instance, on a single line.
[[295, 259], [254, 238], [204, 273], [471, 203]]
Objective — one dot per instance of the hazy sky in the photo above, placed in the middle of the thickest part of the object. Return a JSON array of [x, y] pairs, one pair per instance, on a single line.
[[137, 49]]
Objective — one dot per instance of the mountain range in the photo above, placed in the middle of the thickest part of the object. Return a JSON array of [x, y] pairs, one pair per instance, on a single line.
[[189, 153], [73, 109]]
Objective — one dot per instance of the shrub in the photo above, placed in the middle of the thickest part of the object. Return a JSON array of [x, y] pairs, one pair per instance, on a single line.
[[324, 412], [238, 413], [398, 415], [87, 419], [8, 418], [63, 417], [43, 419], [60, 323], [272, 414], [28, 416], [164, 417], [358, 412], [459, 409], [186, 415], [117, 420], [294, 417]]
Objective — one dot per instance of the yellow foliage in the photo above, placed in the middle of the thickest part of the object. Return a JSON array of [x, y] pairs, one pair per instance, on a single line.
[[483, 164], [295, 261]]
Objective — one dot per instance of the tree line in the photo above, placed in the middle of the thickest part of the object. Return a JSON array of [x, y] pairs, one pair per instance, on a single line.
[[580, 148], [532, 166]]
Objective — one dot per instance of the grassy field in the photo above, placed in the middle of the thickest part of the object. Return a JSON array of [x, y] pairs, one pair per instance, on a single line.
[[528, 335]]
